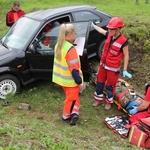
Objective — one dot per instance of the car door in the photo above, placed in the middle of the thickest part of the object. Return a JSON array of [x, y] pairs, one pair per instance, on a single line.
[[40, 57], [95, 45]]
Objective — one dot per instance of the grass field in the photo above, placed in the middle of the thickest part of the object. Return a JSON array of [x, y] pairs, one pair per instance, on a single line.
[[41, 127]]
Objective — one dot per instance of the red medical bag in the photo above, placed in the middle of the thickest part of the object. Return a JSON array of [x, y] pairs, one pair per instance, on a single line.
[[139, 133]]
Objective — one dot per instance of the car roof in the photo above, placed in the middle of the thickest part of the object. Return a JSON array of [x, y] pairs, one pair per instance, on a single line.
[[52, 12]]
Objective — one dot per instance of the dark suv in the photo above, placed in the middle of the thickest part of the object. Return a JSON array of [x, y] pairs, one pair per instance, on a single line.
[[24, 55]]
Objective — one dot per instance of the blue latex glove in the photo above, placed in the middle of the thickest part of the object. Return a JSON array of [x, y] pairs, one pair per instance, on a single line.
[[125, 73], [92, 25], [133, 110]]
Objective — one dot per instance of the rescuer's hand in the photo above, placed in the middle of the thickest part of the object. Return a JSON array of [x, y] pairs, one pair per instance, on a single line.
[[82, 87], [133, 110], [126, 74], [92, 25]]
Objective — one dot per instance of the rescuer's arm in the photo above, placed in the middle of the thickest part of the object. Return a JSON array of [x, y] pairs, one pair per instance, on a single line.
[[74, 65]]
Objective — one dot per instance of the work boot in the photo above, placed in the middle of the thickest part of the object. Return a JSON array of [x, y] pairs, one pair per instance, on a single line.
[[74, 118], [66, 120], [107, 106], [95, 104]]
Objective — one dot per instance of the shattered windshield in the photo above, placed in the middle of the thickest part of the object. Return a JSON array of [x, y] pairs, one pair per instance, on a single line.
[[20, 33]]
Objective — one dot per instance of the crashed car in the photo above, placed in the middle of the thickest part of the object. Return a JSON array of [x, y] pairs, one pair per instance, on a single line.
[[27, 49]]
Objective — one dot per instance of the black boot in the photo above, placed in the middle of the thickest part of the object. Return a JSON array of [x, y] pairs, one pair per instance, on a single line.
[[74, 118]]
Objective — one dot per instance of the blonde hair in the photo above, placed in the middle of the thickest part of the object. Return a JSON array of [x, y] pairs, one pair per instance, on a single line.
[[65, 29]]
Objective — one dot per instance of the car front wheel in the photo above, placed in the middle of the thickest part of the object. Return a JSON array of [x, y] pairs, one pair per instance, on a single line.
[[8, 84]]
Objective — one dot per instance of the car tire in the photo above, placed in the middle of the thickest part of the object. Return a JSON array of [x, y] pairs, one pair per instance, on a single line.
[[8, 84], [100, 49]]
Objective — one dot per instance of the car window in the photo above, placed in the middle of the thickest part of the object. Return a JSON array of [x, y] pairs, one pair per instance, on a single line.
[[47, 41], [20, 33], [52, 36], [40, 45], [44, 43], [85, 15], [53, 23]]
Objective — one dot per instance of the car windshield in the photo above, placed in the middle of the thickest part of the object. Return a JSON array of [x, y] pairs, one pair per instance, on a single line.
[[20, 33]]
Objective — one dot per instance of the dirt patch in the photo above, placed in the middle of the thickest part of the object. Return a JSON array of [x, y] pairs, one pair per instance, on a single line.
[[139, 67]]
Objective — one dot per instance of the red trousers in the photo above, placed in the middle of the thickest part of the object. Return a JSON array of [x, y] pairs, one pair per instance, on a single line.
[[106, 78], [72, 101]]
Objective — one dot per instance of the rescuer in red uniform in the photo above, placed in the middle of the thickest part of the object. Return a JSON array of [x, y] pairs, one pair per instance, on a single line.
[[143, 110], [115, 48], [14, 14]]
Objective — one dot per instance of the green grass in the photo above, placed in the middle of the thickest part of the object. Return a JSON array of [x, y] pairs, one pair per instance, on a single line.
[[41, 127]]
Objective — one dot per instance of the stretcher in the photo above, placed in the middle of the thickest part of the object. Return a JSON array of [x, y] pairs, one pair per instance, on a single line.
[[115, 101]]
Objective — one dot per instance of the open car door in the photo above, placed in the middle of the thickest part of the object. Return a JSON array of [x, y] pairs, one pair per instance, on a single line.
[[41, 61], [81, 42]]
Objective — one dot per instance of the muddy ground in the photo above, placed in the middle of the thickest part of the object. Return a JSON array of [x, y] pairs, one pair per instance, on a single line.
[[139, 66]]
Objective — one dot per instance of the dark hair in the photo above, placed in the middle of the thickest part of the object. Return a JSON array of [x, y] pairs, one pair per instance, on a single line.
[[16, 4]]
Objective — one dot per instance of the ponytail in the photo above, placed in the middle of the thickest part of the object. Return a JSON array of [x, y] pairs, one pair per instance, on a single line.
[[65, 29], [60, 41]]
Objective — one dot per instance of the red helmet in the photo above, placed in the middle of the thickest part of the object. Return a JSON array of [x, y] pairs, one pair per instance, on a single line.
[[115, 22]]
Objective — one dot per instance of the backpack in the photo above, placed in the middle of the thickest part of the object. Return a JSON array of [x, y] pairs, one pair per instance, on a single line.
[[122, 95], [125, 94], [139, 133]]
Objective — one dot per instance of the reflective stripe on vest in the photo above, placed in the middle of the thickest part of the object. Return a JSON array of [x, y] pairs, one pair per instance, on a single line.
[[61, 72], [110, 68]]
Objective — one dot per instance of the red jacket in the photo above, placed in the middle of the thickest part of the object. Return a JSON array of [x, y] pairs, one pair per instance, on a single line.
[[112, 55], [142, 114], [10, 19], [147, 97]]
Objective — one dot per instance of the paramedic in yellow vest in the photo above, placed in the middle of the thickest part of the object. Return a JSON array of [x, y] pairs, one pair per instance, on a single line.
[[115, 48], [67, 72]]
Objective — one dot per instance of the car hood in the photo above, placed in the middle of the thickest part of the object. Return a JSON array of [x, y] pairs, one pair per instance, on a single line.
[[5, 52]]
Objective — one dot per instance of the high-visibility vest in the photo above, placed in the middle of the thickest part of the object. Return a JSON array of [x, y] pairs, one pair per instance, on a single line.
[[61, 73], [112, 56]]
